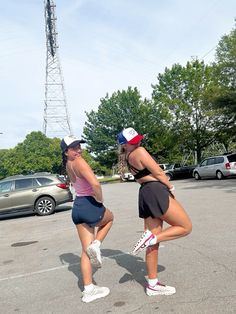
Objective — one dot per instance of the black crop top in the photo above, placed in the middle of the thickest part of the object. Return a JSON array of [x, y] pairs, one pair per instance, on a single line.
[[138, 173]]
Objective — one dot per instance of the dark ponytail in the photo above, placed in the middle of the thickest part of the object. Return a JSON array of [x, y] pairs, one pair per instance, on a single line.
[[64, 159]]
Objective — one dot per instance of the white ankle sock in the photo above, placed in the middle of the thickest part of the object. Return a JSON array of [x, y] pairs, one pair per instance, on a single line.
[[152, 282], [89, 288], [97, 242]]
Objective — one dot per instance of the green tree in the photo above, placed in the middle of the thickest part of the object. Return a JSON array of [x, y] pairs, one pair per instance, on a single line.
[[38, 153], [181, 93], [3, 157], [223, 95], [123, 109], [226, 59], [35, 154]]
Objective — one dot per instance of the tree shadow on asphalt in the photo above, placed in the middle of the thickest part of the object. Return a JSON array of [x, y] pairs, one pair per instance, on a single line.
[[135, 265], [73, 262]]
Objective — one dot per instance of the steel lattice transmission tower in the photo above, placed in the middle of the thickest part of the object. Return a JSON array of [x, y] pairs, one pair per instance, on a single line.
[[56, 122]]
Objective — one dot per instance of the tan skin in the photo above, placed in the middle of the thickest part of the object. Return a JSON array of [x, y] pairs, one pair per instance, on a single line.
[[77, 165], [179, 223]]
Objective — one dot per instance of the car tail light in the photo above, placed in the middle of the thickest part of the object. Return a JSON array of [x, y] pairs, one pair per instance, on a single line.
[[62, 186], [227, 165]]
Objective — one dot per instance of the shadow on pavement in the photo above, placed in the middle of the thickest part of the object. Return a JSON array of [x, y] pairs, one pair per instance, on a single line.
[[135, 265], [228, 184], [16, 214], [73, 262]]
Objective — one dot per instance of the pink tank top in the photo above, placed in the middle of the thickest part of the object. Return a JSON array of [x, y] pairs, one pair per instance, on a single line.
[[82, 186]]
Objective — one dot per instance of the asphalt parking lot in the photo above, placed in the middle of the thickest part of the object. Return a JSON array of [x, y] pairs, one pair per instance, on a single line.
[[40, 258]]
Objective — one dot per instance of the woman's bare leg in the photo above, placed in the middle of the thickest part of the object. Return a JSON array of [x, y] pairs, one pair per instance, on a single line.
[[180, 225], [155, 226], [86, 235], [177, 218], [104, 225]]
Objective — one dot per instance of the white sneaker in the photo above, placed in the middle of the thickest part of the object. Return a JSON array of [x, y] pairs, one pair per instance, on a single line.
[[96, 293], [143, 242], [160, 289], [94, 254]]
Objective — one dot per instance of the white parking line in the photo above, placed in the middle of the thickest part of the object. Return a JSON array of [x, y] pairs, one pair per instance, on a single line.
[[51, 269], [56, 268]]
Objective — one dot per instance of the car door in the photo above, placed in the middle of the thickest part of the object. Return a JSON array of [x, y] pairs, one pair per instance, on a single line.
[[211, 167], [202, 169], [23, 196], [5, 193], [177, 171]]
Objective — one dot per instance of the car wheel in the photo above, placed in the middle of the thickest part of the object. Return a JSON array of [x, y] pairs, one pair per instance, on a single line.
[[219, 175], [197, 176], [45, 206], [169, 176]]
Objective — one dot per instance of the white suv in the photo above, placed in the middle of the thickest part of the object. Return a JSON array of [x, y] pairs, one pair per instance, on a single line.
[[216, 167]]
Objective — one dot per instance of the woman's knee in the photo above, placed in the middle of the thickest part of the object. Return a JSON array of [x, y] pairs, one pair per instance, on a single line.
[[188, 228]]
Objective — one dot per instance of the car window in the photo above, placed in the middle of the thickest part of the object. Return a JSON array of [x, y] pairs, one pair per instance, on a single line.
[[232, 158], [219, 160], [211, 161], [23, 184], [5, 186], [62, 178], [44, 181], [203, 163], [35, 183]]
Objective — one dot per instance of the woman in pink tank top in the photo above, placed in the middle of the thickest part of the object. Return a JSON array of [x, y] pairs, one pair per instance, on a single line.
[[88, 212]]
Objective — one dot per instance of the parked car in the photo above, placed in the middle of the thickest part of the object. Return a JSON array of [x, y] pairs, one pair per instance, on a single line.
[[216, 167], [164, 166], [178, 171], [40, 192], [127, 176]]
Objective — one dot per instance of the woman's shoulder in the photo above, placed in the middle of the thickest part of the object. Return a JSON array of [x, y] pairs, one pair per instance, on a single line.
[[77, 162], [141, 151]]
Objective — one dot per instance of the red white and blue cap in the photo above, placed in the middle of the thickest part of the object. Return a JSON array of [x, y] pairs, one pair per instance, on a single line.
[[129, 136]]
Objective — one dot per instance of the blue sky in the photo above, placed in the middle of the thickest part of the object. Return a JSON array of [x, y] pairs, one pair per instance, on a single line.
[[104, 46]]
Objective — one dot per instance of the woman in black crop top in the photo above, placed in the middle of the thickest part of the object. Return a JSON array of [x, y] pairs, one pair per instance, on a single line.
[[157, 204]]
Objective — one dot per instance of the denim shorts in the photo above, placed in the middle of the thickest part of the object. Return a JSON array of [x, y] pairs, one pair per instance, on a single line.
[[87, 210]]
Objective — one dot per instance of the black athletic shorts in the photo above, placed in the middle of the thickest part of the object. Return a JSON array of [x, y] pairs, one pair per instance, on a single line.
[[87, 210], [153, 199]]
